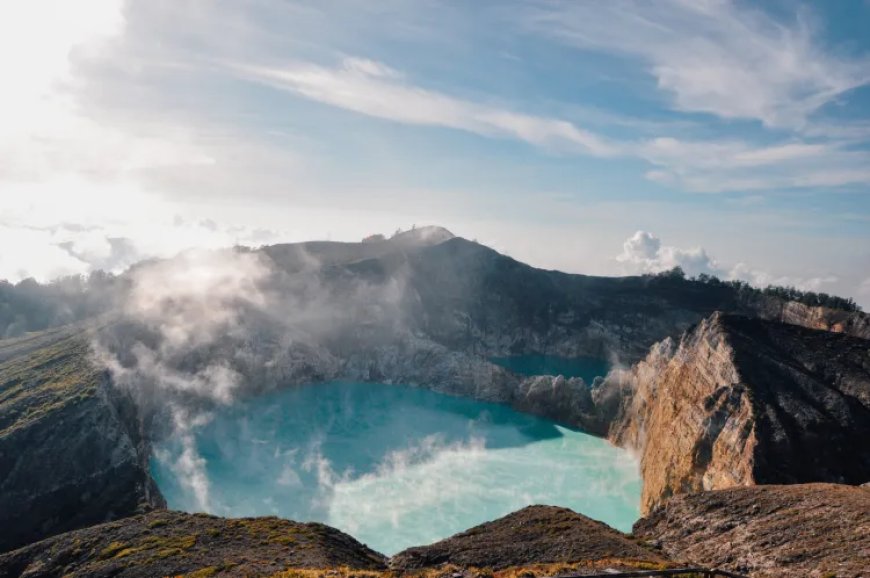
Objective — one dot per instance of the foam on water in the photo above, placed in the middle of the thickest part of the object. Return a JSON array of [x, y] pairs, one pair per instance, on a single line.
[[394, 466]]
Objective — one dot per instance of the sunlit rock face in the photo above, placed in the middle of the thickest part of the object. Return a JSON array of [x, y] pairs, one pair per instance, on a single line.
[[741, 401], [392, 465]]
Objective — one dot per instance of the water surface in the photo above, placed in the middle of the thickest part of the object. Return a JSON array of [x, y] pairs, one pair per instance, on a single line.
[[393, 466], [586, 367]]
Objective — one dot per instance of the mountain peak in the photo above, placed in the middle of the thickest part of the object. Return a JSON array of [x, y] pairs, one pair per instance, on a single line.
[[428, 235]]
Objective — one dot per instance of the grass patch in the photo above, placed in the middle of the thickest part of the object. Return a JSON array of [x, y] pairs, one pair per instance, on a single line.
[[204, 572], [112, 549]]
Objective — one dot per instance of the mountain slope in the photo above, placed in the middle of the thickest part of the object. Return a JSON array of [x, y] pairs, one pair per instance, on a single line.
[[67, 456], [174, 544]]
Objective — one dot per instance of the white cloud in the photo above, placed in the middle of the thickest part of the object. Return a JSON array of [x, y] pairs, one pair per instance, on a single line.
[[714, 56], [73, 226], [763, 279], [733, 165], [374, 89], [37, 41], [643, 252]]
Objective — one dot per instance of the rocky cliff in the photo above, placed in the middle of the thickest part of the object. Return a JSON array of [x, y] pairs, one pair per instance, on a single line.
[[68, 444], [741, 401], [812, 530]]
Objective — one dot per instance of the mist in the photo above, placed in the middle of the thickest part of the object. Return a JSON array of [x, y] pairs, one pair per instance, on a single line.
[[393, 466]]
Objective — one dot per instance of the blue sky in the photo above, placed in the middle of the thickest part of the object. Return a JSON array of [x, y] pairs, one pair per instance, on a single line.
[[735, 136]]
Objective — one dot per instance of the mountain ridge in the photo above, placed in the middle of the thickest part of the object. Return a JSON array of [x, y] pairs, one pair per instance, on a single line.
[[430, 316]]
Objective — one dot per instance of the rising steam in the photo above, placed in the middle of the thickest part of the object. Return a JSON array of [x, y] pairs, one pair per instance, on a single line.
[[201, 330]]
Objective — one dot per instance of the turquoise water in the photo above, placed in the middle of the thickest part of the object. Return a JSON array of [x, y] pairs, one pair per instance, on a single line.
[[393, 466], [586, 367]]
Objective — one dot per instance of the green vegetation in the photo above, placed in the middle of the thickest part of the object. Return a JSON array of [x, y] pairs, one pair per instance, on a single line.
[[164, 547], [31, 306], [204, 572], [44, 381], [157, 523], [112, 549], [744, 290]]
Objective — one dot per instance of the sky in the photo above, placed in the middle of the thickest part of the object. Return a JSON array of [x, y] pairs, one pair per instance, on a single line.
[[606, 138]]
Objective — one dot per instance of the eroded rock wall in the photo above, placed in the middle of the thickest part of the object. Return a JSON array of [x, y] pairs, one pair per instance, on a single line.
[[688, 416], [741, 401]]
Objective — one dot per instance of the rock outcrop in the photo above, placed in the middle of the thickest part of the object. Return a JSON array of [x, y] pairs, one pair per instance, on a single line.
[[811, 530], [854, 323], [743, 401], [533, 535], [423, 363], [174, 544], [69, 449]]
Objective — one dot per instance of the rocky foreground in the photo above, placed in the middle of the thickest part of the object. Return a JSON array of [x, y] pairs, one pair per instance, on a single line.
[[813, 531], [196, 545], [534, 535]]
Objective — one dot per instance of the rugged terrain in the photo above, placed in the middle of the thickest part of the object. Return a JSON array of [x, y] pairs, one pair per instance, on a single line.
[[812, 530], [171, 544], [741, 401], [533, 535], [534, 541], [717, 386]]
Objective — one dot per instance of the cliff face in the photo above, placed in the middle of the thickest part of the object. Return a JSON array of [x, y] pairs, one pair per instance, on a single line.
[[67, 456], [739, 402], [423, 363], [812, 530], [852, 323]]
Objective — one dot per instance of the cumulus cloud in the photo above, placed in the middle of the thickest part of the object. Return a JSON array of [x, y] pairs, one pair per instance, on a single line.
[[644, 252]]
